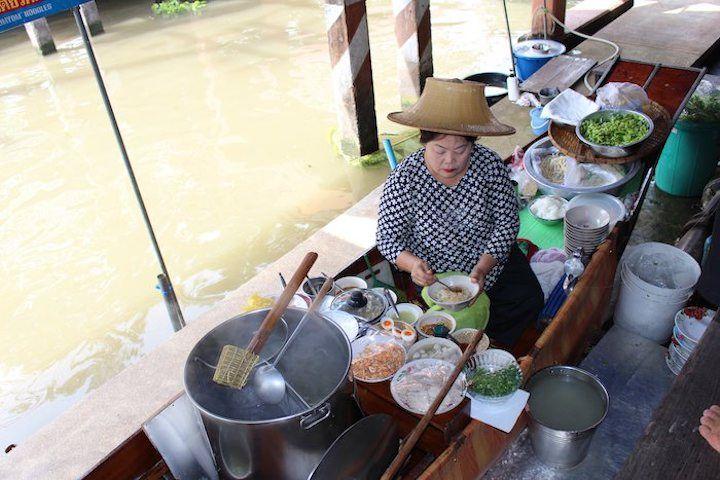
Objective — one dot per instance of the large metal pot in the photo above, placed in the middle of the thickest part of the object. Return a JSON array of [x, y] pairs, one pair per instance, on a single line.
[[564, 447], [254, 440]]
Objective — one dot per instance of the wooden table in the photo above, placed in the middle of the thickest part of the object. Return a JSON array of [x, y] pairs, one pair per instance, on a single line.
[[672, 448]]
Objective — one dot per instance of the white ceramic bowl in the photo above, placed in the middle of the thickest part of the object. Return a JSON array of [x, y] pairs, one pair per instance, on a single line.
[[692, 329], [438, 348], [464, 335], [611, 204], [423, 369], [411, 308], [359, 346], [587, 217], [435, 317], [454, 281], [345, 321], [346, 283]]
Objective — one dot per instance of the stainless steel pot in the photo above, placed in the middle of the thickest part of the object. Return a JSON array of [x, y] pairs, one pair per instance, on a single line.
[[563, 448], [253, 440]]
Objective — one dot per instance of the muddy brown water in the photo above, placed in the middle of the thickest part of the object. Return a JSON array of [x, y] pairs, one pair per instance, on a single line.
[[228, 120]]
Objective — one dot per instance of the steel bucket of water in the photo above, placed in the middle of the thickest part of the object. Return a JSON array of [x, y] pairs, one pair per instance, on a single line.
[[564, 448]]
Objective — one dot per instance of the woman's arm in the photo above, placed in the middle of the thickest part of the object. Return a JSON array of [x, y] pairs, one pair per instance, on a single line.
[[506, 221], [394, 225]]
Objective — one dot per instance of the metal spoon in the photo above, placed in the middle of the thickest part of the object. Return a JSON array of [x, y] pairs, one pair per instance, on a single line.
[[268, 381], [452, 288]]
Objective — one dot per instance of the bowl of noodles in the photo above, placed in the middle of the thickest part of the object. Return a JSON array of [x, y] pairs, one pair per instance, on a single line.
[[453, 300]]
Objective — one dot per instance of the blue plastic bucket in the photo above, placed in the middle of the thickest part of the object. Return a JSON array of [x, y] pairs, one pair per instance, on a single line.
[[538, 124], [530, 55]]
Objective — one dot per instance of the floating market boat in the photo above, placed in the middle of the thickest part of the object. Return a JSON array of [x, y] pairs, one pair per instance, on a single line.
[[454, 446]]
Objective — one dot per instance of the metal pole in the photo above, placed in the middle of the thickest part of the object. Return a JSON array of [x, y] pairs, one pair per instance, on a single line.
[[507, 25], [123, 151]]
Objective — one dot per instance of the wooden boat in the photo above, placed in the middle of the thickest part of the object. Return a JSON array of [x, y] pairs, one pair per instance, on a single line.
[[454, 446]]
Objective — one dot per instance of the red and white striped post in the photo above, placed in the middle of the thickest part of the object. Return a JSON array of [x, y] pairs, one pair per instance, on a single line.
[[347, 31], [412, 31]]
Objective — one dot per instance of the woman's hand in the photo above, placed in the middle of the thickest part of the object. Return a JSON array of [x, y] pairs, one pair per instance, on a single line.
[[422, 274], [481, 269]]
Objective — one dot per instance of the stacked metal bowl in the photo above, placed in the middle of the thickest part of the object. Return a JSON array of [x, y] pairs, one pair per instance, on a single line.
[[586, 227]]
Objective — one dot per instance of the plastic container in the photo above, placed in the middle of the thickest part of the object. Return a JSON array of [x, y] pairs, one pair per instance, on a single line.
[[538, 124], [689, 158], [531, 55], [656, 281]]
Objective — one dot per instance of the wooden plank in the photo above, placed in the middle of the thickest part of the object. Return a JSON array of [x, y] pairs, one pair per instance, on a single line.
[[134, 458], [376, 398], [561, 72], [672, 448]]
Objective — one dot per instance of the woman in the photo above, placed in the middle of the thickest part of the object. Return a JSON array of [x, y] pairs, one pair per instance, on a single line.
[[450, 206]]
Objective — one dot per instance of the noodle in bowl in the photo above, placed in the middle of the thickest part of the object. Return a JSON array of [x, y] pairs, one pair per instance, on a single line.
[[451, 300]]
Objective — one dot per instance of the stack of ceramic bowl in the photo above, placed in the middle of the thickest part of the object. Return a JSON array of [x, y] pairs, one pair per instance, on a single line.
[[690, 325], [586, 227]]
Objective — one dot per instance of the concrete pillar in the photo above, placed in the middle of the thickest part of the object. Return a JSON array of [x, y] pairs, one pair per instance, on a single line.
[[556, 7], [347, 30], [40, 36], [91, 17], [414, 61]]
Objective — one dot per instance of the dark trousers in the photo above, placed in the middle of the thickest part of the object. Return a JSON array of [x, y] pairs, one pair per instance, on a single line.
[[516, 300]]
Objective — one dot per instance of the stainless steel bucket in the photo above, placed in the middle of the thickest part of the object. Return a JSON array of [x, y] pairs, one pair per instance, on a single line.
[[557, 447], [254, 440]]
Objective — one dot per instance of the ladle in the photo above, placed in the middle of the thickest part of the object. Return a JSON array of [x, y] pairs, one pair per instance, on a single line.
[[268, 381]]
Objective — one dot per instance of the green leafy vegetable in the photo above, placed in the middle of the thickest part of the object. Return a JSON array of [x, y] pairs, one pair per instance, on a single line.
[[495, 384], [614, 129], [172, 8], [702, 108]]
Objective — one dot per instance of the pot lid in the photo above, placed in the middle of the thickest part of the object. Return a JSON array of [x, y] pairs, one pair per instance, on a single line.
[[362, 452], [313, 365], [365, 304], [539, 48]]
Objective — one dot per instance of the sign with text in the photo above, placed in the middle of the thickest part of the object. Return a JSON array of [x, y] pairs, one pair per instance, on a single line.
[[17, 12]]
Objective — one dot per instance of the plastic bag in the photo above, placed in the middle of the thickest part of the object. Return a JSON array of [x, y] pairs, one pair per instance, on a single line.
[[527, 187], [569, 107], [549, 255], [548, 275], [622, 95]]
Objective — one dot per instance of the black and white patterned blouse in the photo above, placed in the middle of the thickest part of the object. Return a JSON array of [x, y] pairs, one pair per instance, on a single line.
[[450, 227]]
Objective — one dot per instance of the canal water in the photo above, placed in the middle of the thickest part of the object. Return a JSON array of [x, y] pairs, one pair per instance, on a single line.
[[228, 120]]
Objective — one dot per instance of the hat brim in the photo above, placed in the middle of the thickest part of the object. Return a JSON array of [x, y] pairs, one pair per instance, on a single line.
[[492, 129]]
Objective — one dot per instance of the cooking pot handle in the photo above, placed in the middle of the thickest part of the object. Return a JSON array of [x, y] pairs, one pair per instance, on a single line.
[[311, 419]]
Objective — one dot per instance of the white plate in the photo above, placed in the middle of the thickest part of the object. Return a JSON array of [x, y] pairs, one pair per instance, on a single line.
[[428, 344], [359, 345], [422, 368], [345, 321]]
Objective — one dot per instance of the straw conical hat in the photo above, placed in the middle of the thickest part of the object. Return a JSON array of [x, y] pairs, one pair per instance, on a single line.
[[454, 107]]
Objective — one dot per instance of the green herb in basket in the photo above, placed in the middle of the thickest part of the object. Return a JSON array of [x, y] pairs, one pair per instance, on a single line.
[[614, 129], [495, 384]]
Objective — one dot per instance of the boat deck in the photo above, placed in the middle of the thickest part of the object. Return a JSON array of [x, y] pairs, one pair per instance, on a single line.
[[634, 373]]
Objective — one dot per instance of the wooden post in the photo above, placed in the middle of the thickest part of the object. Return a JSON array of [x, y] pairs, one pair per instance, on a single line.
[[41, 36], [556, 7], [414, 40], [347, 30], [91, 17]]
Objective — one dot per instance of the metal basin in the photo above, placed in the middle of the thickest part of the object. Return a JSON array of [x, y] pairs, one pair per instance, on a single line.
[[549, 188], [615, 151], [564, 447]]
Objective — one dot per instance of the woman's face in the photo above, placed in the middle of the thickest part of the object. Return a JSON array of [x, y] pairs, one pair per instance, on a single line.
[[447, 157]]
